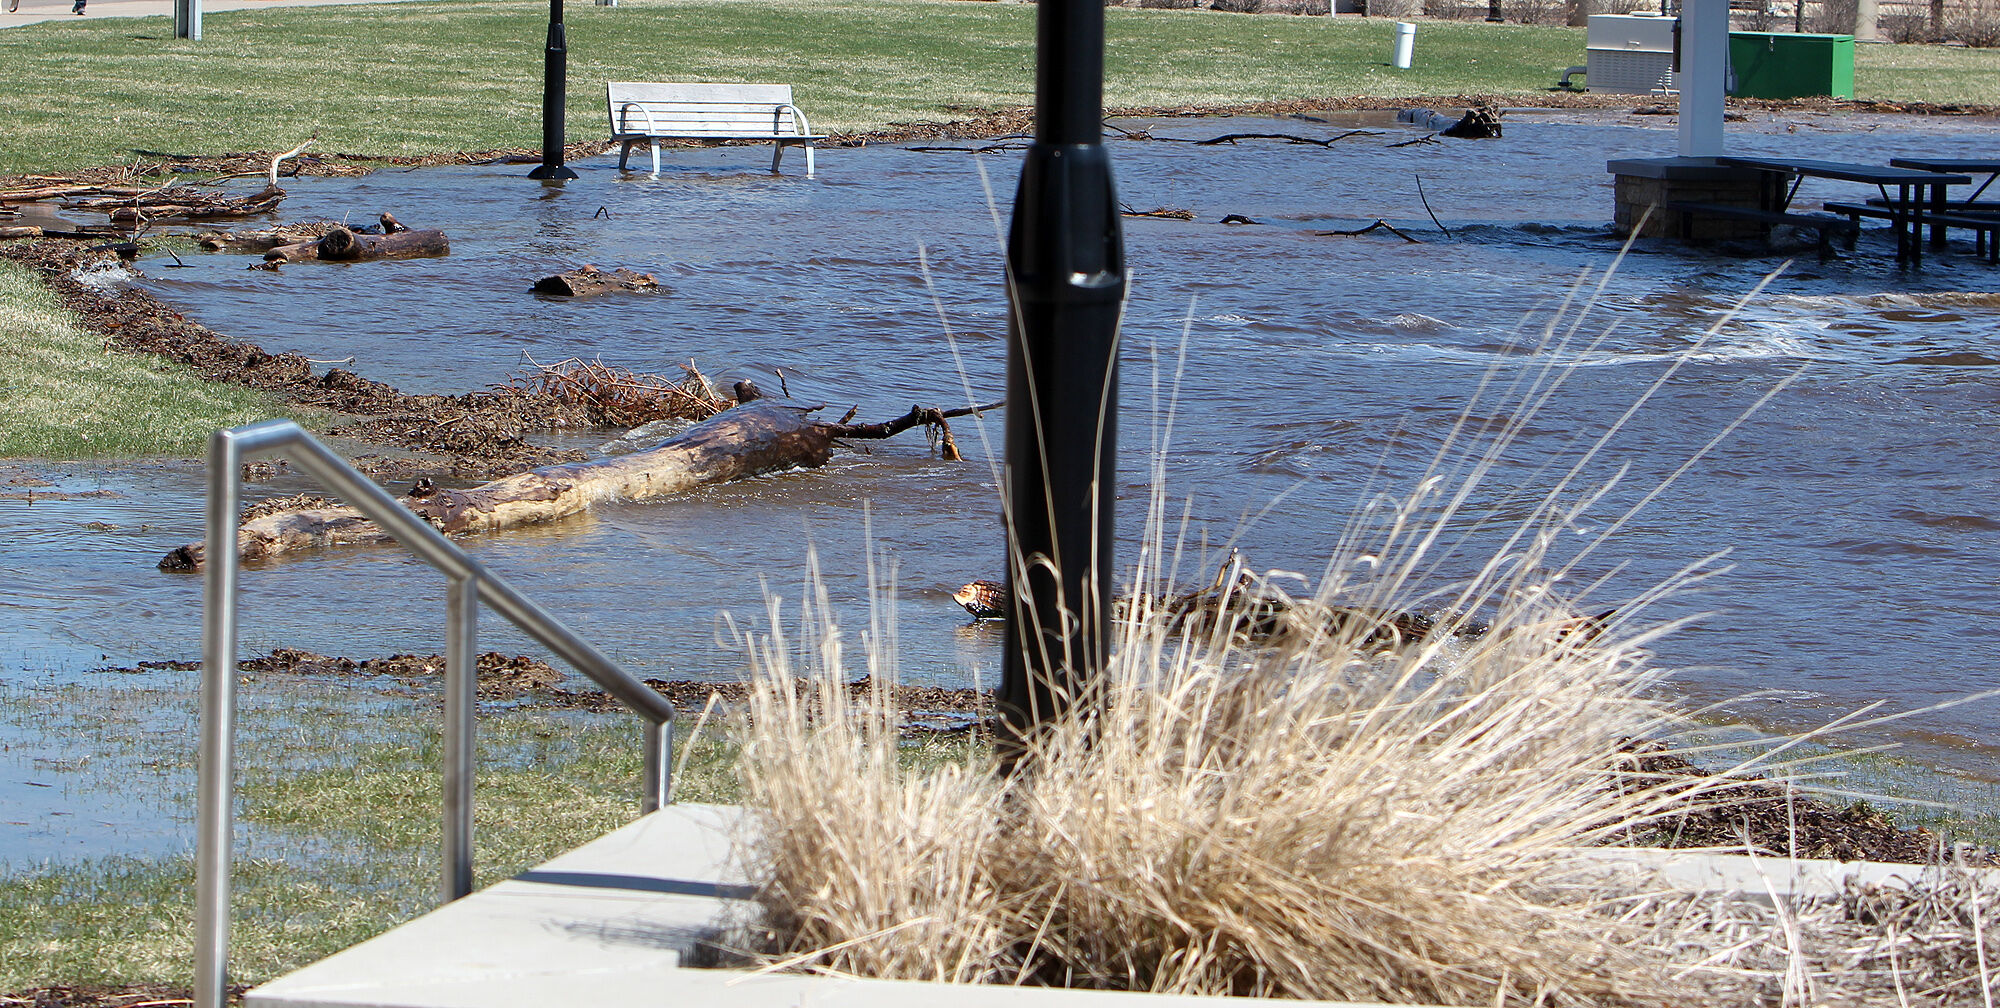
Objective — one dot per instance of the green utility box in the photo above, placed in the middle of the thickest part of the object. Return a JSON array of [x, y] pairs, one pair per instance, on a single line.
[[1786, 65]]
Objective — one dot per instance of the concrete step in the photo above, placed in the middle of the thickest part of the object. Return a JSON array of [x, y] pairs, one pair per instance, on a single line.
[[637, 917]]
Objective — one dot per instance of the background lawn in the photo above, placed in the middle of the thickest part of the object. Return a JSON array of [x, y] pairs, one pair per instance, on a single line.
[[434, 77]]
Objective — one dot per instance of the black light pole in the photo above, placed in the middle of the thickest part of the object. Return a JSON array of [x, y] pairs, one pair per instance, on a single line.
[[1066, 263], [555, 95]]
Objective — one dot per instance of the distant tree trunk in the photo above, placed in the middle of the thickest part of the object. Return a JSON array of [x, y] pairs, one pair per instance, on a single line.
[[1866, 13]]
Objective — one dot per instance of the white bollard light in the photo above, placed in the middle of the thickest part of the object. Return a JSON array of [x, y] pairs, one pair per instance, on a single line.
[[1406, 42]]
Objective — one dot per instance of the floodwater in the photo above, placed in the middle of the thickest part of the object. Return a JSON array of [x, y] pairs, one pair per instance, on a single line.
[[1859, 507]]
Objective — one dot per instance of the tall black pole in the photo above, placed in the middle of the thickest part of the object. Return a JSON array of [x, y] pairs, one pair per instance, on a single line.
[[555, 95], [1066, 264]]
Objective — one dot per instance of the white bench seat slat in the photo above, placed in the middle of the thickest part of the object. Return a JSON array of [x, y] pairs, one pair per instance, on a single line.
[[648, 112]]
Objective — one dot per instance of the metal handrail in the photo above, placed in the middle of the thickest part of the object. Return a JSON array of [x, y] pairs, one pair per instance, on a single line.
[[470, 584]]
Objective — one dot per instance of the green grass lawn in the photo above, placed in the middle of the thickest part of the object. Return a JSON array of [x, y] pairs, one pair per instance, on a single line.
[[64, 394], [432, 77]]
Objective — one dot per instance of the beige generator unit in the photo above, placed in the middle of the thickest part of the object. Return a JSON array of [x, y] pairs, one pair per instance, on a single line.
[[1630, 53]]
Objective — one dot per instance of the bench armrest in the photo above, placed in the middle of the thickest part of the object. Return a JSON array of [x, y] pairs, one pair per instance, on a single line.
[[798, 118], [626, 108]]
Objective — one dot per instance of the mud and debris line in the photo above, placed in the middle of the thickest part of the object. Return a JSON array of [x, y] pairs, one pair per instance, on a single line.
[[1764, 814], [481, 435]]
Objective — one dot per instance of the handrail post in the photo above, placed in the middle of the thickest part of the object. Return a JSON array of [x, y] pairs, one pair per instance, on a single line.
[[215, 769], [657, 742], [469, 585], [461, 688]]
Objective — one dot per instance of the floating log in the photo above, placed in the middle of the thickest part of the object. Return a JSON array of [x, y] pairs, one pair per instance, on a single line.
[[343, 245], [749, 440], [591, 280], [21, 231]]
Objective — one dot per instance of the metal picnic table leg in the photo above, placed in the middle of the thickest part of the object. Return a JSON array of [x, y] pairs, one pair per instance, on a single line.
[[1937, 206]]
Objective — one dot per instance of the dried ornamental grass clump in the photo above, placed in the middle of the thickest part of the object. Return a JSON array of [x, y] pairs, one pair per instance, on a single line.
[[1342, 815], [1290, 797]]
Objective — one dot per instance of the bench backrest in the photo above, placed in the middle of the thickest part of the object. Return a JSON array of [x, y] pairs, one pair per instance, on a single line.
[[697, 110]]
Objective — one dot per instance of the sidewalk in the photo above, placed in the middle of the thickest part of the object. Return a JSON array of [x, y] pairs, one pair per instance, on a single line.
[[52, 10]]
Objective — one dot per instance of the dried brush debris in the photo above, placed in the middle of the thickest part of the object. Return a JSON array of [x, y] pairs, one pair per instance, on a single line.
[[613, 396]]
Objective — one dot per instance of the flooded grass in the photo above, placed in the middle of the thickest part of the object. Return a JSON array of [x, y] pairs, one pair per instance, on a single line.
[[342, 838], [64, 394], [342, 835]]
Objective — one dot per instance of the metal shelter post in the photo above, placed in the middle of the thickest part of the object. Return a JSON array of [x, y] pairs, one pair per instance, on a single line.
[[187, 19], [1066, 283], [555, 98], [1704, 64]]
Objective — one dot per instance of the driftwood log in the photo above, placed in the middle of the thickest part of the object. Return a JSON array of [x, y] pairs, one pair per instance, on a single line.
[[591, 280], [21, 231], [343, 245], [1476, 124], [749, 440], [180, 203], [264, 239]]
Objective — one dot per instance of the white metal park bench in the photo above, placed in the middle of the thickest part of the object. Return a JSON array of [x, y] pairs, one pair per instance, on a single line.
[[647, 113]]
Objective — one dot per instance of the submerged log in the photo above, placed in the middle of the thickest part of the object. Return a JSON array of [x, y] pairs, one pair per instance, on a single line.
[[1478, 124], [1482, 123], [591, 280], [749, 440], [343, 245]]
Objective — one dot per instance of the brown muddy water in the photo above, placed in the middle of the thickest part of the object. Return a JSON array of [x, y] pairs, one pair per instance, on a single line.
[[1860, 508]]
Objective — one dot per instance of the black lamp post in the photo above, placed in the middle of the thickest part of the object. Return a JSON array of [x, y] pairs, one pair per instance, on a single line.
[[1066, 283], [555, 88]]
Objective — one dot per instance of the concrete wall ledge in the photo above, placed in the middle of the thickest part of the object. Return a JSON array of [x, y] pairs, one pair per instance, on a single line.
[[1688, 169], [628, 918]]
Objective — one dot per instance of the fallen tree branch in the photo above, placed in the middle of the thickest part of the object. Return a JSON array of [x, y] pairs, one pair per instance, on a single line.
[[1293, 138], [1427, 207], [1380, 225], [748, 440], [294, 152], [1159, 213]]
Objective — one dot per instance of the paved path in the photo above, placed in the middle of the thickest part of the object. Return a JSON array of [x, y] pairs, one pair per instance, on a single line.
[[49, 10]]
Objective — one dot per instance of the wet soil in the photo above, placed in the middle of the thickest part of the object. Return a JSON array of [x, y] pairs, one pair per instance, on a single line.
[[475, 435], [1786, 823], [91, 996]]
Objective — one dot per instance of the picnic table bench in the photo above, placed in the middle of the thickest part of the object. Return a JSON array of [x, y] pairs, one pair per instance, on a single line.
[[647, 113], [1826, 226], [1916, 190]]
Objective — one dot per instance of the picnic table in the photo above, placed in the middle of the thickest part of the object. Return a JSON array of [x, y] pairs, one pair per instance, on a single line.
[[1915, 189], [1963, 166]]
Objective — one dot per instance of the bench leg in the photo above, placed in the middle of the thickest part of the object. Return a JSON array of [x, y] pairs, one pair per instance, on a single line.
[[777, 155], [809, 159], [656, 158], [625, 152]]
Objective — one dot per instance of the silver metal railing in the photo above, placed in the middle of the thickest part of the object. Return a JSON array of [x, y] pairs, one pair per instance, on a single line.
[[470, 584]]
